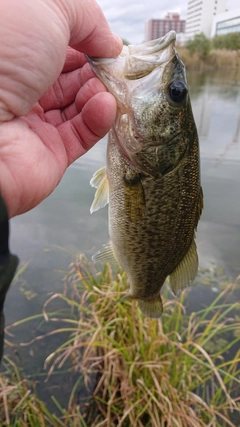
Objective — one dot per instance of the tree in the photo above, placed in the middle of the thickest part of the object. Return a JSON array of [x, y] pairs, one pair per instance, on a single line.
[[230, 41], [200, 44]]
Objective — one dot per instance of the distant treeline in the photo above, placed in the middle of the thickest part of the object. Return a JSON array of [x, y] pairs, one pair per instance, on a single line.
[[221, 51], [202, 45]]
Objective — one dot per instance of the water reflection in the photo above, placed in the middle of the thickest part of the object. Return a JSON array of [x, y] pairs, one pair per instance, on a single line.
[[216, 107]]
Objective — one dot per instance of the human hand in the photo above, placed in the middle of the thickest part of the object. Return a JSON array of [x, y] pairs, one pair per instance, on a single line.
[[52, 107]]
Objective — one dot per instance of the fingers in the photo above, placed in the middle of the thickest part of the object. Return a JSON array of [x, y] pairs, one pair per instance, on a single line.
[[84, 130], [90, 32], [74, 60], [98, 116], [87, 91], [64, 90]]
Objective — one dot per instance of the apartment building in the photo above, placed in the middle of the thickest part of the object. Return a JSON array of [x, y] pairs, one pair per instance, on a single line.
[[155, 28], [226, 22], [200, 16]]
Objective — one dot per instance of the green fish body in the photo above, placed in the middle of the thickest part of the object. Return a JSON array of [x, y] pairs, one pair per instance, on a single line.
[[152, 177]]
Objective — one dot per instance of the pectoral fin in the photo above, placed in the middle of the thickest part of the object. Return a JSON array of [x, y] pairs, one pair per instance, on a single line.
[[186, 271], [134, 200], [100, 181]]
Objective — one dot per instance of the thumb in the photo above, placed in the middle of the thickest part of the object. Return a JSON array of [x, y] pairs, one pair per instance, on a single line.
[[89, 30]]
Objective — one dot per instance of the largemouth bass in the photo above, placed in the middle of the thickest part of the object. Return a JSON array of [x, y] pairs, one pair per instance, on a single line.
[[152, 177]]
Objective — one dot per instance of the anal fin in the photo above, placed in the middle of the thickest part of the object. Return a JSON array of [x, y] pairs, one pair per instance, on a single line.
[[186, 270]]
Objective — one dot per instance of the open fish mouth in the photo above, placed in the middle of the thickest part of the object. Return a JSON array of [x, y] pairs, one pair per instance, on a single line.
[[138, 79], [136, 61], [147, 51]]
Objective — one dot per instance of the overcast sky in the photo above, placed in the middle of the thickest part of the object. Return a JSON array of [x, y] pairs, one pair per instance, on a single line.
[[127, 17]]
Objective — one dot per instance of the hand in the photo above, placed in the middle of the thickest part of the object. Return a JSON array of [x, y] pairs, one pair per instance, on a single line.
[[52, 107]]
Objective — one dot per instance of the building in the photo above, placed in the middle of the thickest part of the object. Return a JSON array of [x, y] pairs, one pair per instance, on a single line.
[[226, 22], [200, 15], [156, 28]]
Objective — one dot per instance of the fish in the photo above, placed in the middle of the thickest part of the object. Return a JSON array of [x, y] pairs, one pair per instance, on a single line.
[[151, 180]]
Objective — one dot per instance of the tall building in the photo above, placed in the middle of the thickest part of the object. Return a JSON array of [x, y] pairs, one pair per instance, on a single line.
[[200, 16], [226, 22], [155, 28]]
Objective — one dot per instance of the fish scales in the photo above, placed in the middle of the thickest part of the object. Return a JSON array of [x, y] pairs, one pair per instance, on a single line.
[[165, 228], [152, 177]]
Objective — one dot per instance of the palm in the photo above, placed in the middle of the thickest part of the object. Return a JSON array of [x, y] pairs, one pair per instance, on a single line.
[[44, 128], [36, 149]]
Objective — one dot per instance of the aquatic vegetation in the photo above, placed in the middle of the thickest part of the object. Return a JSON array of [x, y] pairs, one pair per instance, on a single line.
[[179, 370], [19, 406]]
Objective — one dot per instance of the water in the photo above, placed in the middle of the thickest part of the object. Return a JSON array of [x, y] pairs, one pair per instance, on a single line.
[[50, 236], [216, 106]]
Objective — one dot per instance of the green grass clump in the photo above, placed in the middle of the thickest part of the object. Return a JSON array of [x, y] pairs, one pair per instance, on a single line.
[[171, 372], [19, 405], [163, 372]]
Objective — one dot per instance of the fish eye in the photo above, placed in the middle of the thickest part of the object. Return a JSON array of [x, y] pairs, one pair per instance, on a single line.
[[177, 91]]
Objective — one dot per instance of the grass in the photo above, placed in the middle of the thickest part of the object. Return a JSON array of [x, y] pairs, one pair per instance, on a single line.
[[179, 371]]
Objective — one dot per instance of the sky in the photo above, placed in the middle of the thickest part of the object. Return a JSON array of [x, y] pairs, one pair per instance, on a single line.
[[127, 17]]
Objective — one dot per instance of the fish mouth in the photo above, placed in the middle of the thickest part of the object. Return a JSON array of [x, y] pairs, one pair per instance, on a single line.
[[152, 50], [143, 59], [135, 61], [149, 49], [137, 70]]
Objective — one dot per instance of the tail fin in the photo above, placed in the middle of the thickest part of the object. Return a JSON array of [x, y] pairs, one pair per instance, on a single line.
[[152, 308]]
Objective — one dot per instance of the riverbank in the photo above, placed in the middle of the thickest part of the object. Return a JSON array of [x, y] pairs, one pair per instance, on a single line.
[[181, 370], [216, 59]]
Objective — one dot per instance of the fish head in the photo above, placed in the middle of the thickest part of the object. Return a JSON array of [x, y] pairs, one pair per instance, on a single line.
[[149, 84]]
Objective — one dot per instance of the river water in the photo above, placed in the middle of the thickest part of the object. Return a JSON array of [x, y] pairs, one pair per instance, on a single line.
[[52, 234]]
